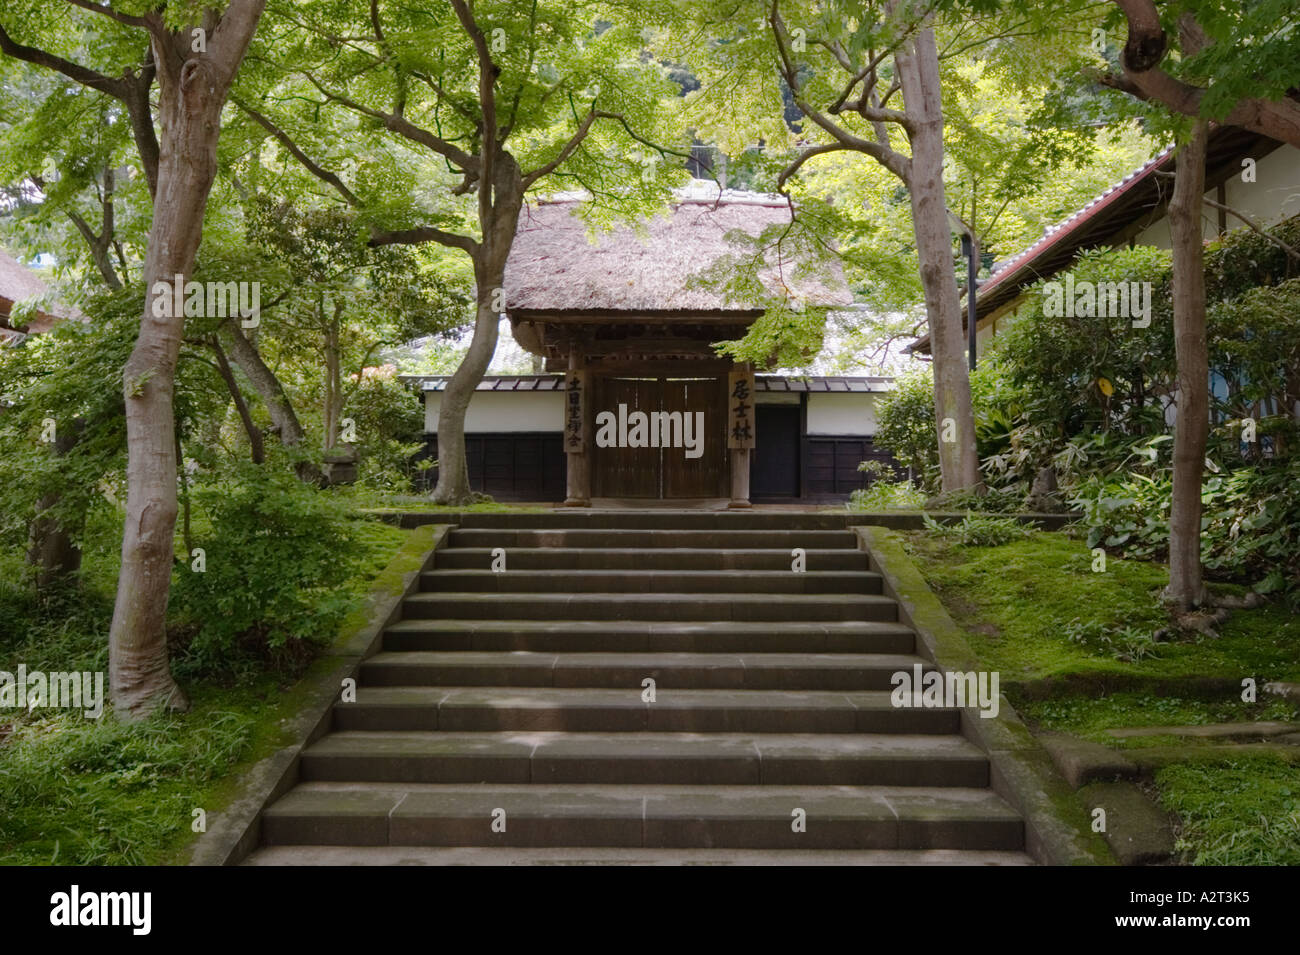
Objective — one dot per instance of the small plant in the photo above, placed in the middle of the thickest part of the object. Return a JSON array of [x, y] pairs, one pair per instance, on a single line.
[[979, 530], [884, 491], [1125, 644]]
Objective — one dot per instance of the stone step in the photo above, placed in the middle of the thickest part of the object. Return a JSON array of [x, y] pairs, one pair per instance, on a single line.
[[470, 709], [640, 558], [826, 759], [624, 538], [443, 856], [652, 581], [658, 816], [714, 636], [689, 607], [719, 671], [601, 518]]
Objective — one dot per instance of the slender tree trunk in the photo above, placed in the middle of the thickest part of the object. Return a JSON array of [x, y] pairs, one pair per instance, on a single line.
[[489, 277], [256, 448], [1191, 429], [453, 467], [192, 92], [51, 550], [264, 381], [918, 67], [332, 412]]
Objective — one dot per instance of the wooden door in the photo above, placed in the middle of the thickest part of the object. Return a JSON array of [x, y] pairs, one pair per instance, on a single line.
[[625, 472], [709, 474]]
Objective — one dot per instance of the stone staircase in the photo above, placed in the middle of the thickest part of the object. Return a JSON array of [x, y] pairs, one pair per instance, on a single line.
[[517, 701]]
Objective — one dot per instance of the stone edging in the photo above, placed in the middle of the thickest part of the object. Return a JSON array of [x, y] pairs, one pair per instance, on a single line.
[[237, 829], [1022, 772]]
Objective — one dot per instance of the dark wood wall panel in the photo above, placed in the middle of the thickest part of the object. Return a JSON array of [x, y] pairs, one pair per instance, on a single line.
[[514, 466], [832, 464]]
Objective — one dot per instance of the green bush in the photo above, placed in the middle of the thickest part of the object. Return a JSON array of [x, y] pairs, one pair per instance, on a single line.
[[979, 530], [905, 425], [390, 429], [1250, 526], [278, 557]]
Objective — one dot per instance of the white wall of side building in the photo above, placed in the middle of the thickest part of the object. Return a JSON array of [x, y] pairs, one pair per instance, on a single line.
[[494, 412], [1272, 197], [842, 413], [497, 412]]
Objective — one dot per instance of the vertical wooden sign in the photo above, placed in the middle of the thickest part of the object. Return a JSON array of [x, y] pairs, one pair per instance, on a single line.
[[575, 411], [740, 411]]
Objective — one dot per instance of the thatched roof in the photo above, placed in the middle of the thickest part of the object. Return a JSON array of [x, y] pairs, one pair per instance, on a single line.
[[553, 266], [17, 284], [834, 384]]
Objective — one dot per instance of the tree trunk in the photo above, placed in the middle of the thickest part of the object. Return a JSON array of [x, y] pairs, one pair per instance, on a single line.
[[1186, 589], [50, 548], [264, 381], [332, 412], [453, 467], [498, 229], [918, 67], [256, 449], [192, 91]]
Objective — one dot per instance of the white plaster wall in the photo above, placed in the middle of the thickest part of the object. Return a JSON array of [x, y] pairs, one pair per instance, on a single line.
[[1272, 197], [844, 413], [498, 411]]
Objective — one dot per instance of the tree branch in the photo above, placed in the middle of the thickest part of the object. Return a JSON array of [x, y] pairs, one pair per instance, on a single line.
[[1255, 227], [108, 11], [404, 128], [321, 173], [424, 234]]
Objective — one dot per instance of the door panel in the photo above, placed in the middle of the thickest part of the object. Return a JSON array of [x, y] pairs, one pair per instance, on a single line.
[[625, 472], [774, 462], [663, 472], [707, 475]]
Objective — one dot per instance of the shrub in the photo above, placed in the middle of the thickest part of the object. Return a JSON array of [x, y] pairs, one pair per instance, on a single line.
[[905, 425], [977, 530], [1250, 527], [278, 556], [1126, 644]]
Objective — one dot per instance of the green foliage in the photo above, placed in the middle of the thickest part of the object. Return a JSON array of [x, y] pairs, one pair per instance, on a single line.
[[1126, 644], [70, 380], [979, 530], [906, 426], [1250, 527], [279, 555], [885, 491], [104, 792], [390, 425], [1243, 811], [1014, 602]]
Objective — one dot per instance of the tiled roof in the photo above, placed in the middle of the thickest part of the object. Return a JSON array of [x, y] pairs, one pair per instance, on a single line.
[[1141, 193]]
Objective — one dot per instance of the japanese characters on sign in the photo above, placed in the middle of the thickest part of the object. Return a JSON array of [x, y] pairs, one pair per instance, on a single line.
[[575, 390], [740, 411]]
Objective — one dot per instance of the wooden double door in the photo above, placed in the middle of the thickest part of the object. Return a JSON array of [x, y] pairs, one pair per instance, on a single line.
[[662, 472]]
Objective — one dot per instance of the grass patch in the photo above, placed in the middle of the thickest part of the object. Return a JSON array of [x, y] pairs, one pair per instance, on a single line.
[[1091, 717], [1021, 602], [1033, 609], [1236, 812]]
